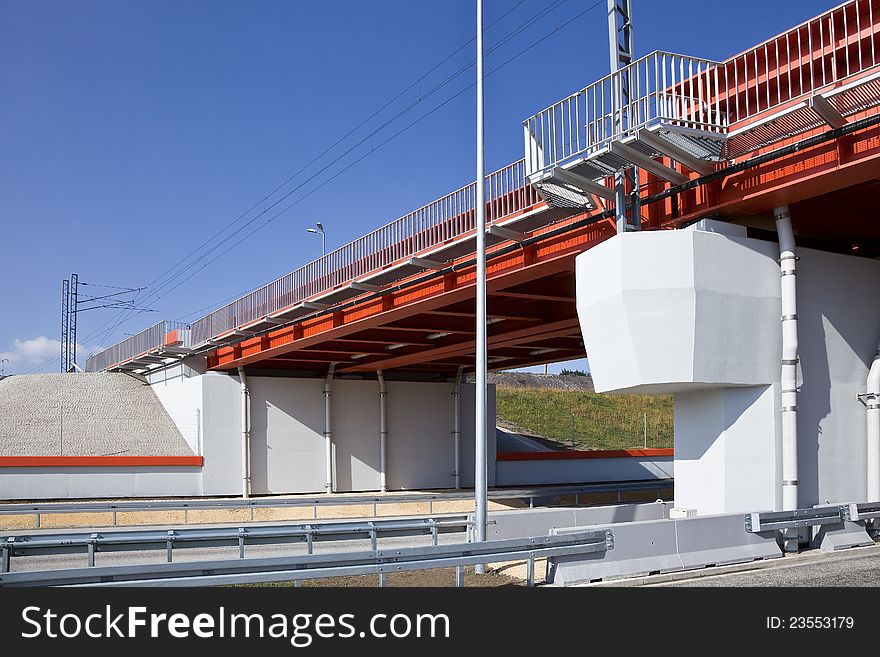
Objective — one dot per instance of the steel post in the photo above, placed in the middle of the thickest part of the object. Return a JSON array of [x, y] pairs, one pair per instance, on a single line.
[[480, 438]]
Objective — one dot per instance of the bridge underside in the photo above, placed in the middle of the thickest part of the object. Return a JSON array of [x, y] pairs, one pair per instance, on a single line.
[[426, 329]]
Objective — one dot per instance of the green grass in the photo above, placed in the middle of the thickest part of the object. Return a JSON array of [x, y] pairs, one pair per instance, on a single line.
[[586, 420]]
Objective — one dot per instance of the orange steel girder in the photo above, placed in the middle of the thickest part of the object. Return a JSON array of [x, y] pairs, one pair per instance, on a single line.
[[808, 173]]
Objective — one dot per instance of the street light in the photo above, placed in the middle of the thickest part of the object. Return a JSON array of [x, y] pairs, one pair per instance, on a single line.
[[319, 230]]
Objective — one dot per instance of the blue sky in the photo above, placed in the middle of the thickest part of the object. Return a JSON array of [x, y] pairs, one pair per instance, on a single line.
[[131, 132]]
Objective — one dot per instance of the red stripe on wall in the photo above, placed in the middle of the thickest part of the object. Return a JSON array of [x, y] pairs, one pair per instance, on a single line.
[[591, 454], [97, 461]]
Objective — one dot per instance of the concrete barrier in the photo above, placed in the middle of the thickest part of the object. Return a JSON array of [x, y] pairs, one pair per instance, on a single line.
[[640, 548], [841, 536], [521, 523], [722, 539], [668, 545]]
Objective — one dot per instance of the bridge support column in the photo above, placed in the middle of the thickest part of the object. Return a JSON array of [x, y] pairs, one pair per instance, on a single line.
[[716, 294]]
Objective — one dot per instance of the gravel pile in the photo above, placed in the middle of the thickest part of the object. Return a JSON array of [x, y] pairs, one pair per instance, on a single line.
[[84, 415], [550, 382]]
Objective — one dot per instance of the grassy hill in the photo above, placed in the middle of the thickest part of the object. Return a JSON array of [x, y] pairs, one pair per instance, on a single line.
[[580, 419]]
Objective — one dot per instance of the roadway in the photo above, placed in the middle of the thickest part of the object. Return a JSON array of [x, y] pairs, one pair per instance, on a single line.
[[852, 567]]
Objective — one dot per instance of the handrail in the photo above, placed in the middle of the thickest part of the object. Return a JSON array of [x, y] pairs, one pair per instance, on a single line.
[[446, 219], [822, 51], [662, 87], [160, 335]]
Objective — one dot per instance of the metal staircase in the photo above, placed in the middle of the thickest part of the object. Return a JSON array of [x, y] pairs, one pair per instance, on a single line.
[[673, 109]]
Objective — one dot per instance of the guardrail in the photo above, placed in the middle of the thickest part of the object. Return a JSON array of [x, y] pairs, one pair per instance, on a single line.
[[832, 514], [168, 539], [448, 218], [531, 493], [773, 520], [445, 219], [863, 511], [829, 48], [297, 568], [663, 87], [162, 334]]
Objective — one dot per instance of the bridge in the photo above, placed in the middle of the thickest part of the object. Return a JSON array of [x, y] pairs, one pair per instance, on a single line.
[[791, 121]]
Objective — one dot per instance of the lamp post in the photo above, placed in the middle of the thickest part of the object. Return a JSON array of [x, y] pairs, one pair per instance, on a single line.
[[319, 230]]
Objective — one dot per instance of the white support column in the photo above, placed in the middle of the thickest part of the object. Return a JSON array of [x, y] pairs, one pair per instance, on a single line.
[[383, 430], [328, 432], [788, 282]]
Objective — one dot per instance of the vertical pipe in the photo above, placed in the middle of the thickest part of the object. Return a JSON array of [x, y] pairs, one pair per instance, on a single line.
[[245, 436], [456, 429], [480, 437], [872, 403], [788, 379], [328, 432], [383, 429]]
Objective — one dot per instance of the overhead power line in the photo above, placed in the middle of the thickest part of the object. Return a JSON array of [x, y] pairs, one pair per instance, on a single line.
[[157, 293], [155, 284]]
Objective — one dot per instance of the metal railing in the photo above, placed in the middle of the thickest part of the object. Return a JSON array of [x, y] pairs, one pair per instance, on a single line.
[[828, 514], [295, 568], [822, 51], [167, 540], [531, 493], [444, 220], [157, 336], [432, 225], [664, 87]]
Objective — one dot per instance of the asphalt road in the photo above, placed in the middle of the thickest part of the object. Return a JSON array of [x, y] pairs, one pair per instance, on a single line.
[[853, 567]]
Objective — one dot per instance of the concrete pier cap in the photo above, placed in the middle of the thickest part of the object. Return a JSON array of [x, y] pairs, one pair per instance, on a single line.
[[670, 311]]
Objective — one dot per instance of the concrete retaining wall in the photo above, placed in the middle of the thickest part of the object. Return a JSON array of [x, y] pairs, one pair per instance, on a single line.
[[570, 471]]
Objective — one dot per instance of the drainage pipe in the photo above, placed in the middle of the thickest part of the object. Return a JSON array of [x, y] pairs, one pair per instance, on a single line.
[[788, 379], [872, 403], [245, 436], [456, 429], [383, 429], [328, 433]]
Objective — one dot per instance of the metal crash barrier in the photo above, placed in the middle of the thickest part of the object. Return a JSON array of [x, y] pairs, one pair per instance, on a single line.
[[833, 526], [296, 568], [169, 539]]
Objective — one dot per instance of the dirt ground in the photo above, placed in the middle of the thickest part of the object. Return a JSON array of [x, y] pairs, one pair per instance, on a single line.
[[430, 578]]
